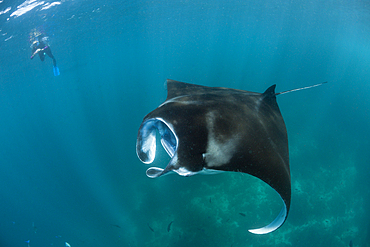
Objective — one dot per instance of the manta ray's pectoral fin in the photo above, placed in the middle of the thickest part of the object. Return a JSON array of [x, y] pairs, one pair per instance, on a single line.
[[279, 220]]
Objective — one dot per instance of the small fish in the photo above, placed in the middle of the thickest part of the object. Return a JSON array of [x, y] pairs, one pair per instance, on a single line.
[[150, 228], [242, 214], [34, 227], [67, 244], [169, 227], [210, 200], [115, 225], [351, 243]]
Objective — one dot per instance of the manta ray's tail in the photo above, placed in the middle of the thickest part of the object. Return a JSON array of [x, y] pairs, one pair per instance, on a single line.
[[302, 88]]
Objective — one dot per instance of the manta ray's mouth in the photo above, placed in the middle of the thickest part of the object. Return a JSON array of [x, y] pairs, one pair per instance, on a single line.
[[146, 144]]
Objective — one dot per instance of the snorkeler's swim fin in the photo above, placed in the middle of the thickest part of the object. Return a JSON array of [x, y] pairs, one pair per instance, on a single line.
[[56, 70]]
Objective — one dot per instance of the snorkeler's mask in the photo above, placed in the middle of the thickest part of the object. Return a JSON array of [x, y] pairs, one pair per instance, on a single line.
[[44, 39]]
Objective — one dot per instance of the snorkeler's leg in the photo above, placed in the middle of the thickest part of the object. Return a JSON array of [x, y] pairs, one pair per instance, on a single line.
[[48, 52], [54, 62], [55, 67], [42, 56]]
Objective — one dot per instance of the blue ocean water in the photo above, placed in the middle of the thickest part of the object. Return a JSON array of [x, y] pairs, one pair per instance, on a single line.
[[69, 170]]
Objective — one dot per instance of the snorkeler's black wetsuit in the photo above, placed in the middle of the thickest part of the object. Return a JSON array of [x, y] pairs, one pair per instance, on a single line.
[[44, 49]]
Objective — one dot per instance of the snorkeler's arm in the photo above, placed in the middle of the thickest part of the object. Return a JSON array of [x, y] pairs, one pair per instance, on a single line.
[[37, 51]]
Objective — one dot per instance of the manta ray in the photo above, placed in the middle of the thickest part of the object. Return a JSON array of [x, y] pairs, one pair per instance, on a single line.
[[212, 129]]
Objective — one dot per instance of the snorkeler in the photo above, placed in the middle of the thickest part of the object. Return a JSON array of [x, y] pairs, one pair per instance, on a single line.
[[41, 47]]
